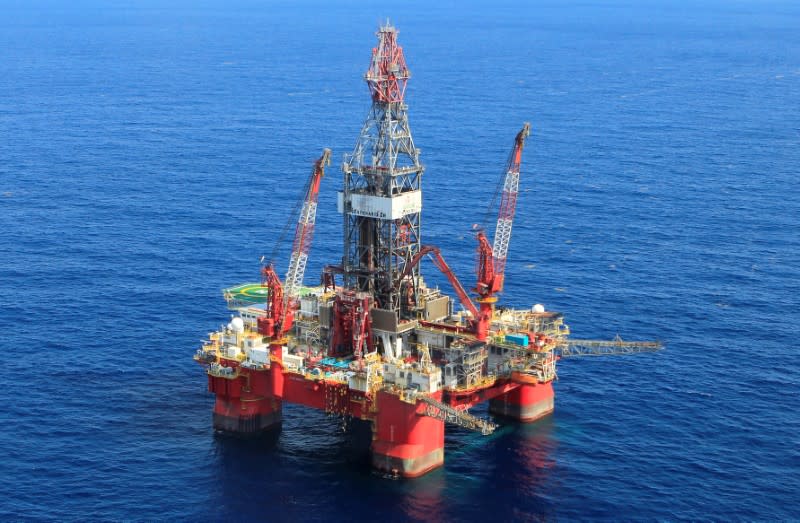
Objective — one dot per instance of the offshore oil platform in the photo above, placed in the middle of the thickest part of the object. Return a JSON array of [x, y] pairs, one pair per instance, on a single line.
[[380, 344]]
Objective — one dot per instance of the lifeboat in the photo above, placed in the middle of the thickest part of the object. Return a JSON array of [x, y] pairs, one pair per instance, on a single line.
[[525, 377]]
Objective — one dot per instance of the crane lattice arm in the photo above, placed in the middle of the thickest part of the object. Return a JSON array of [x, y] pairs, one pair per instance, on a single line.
[[304, 233], [508, 206], [575, 348], [282, 298]]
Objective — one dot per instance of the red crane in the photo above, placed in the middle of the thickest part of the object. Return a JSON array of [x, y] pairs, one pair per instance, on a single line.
[[281, 301], [492, 259], [445, 269], [438, 260]]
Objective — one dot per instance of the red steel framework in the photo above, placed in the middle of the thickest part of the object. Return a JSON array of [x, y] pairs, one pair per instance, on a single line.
[[387, 74]]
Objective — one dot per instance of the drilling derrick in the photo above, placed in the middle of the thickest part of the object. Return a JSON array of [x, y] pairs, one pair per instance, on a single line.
[[381, 198]]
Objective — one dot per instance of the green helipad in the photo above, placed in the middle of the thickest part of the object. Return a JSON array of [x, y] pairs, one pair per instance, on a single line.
[[250, 293]]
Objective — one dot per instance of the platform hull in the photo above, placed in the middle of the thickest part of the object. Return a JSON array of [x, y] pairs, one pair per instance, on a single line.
[[250, 425], [408, 467], [526, 403], [247, 418], [405, 443]]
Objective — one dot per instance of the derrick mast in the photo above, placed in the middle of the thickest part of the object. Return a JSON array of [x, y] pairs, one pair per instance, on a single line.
[[381, 200]]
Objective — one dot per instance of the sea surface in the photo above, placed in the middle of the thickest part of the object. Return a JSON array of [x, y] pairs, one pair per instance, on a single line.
[[151, 152]]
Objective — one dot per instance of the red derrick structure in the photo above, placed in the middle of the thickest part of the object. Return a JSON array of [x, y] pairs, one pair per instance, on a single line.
[[387, 74], [384, 346], [353, 331]]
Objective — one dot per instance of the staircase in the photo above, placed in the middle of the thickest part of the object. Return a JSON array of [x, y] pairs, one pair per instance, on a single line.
[[462, 418]]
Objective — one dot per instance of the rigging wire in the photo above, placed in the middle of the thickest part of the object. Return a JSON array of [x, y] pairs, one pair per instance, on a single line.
[[293, 217], [484, 224]]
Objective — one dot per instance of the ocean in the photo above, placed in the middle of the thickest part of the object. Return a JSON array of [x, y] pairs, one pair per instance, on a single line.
[[152, 151]]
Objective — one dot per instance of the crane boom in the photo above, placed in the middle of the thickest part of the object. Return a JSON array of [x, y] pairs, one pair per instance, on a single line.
[[282, 298], [445, 269], [304, 232], [460, 291], [508, 205]]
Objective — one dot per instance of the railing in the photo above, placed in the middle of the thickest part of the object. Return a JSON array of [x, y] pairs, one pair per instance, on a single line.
[[223, 372]]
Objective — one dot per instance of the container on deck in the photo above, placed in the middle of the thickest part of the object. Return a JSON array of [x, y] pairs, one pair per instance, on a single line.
[[517, 339]]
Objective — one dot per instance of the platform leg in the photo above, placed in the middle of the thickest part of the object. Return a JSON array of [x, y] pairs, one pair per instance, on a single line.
[[405, 443], [240, 416], [526, 403]]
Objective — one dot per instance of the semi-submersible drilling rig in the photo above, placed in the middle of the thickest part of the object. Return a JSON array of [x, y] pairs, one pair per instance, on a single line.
[[379, 344]]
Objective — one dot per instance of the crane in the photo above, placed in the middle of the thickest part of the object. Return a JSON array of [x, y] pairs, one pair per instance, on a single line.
[[445, 269], [492, 258], [508, 206], [282, 299], [304, 233]]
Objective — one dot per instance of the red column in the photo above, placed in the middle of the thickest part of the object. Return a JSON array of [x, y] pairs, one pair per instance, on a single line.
[[243, 405], [526, 403], [403, 442], [276, 370]]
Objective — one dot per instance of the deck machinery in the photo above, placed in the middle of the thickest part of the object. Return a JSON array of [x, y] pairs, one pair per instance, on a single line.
[[379, 344]]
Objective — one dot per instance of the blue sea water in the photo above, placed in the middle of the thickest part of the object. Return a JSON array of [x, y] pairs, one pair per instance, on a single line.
[[150, 153]]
